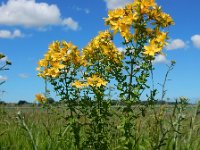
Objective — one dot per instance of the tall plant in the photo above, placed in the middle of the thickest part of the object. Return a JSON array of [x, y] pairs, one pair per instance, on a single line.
[[103, 64], [60, 66], [142, 26]]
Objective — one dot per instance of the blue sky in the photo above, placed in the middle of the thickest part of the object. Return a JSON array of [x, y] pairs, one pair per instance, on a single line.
[[27, 27]]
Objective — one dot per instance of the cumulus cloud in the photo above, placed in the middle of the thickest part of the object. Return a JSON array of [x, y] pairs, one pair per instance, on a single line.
[[29, 13], [6, 34], [196, 40], [70, 23], [176, 44], [112, 4], [160, 59], [23, 75], [3, 78]]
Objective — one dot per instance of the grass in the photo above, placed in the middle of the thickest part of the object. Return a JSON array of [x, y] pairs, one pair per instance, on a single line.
[[160, 128]]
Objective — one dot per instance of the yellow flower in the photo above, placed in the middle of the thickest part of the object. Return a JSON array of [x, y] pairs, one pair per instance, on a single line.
[[161, 37], [116, 13], [56, 64], [43, 63], [167, 20], [101, 48], [145, 6], [152, 49], [101, 82], [121, 20], [58, 57], [52, 72], [41, 98], [79, 84], [96, 81]]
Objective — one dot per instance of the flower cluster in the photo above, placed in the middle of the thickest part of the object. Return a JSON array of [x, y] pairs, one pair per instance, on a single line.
[[120, 20], [59, 56], [96, 81], [93, 81], [41, 98], [102, 48], [156, 44], [79, 84], [136, 17]]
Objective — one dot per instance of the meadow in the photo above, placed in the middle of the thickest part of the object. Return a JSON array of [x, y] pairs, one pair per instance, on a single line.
[[162, 127]]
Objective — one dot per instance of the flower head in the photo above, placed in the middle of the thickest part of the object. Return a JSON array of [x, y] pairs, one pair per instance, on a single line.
[[79, 84], [122, 20], [102, 48], [96, 81], [59, 56], [41, 98]]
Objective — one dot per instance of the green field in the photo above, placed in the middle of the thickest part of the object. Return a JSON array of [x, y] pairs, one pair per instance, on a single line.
[[41, 128]]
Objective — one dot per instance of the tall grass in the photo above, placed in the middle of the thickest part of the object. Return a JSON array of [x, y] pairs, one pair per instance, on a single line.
[[163, 127]]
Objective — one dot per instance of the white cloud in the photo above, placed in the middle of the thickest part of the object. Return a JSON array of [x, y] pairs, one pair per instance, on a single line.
[[112, 4], [3, 78], [70, 23], [196, 40], [85, 10], [176, 44], [160, 59], [29, 13], [6, 34], [23, 75]]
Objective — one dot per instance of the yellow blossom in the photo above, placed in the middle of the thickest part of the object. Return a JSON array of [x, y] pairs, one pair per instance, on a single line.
[[121, 20], [152, 49], [58, 57], [79, 84], [102, 48], [52, 72], [43, 63], [41, 98], [145, 6], [96, 81]]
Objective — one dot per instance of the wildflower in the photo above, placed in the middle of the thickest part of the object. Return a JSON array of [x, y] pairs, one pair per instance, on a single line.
[[41, 98], [102, 48], [78, 84], [96, 81], [151, 50], [43, 63], [59, 56], [122, 19]]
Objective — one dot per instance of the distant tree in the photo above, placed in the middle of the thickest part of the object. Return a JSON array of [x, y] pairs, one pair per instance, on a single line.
[[22, 102], [50, 100], [2, 103]]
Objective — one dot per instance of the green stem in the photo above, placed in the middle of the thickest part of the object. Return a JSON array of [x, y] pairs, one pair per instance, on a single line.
[[130, 79]]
